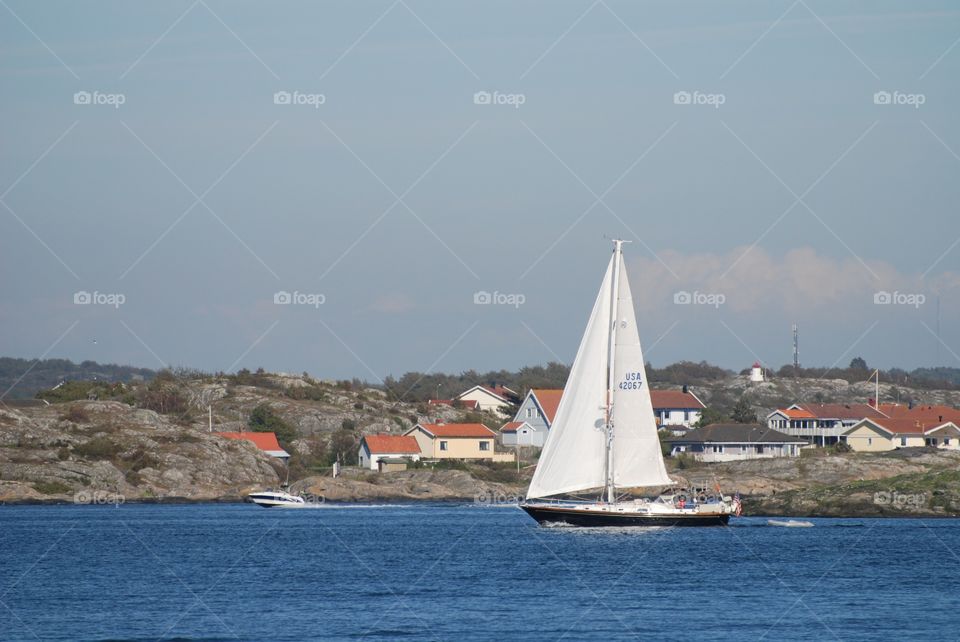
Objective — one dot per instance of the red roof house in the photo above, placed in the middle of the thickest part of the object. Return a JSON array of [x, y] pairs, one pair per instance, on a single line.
[[265, 441]]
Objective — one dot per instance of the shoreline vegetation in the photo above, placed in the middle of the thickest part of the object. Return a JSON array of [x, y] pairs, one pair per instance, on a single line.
[[148, 439]]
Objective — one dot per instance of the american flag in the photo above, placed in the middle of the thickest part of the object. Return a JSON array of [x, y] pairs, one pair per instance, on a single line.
[[738, 507]]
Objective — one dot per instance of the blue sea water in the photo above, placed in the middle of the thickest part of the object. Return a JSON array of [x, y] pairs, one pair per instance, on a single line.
[[459, 572]]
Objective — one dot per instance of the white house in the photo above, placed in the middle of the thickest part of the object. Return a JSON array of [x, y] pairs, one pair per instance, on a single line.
[[492, 398], [373, 448], [676, 407], [536, 413], [731, 442]]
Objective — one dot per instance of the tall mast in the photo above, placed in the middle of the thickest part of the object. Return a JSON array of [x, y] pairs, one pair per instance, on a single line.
[[608, 486]]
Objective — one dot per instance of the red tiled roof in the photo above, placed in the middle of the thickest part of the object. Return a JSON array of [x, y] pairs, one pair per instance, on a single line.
[[390, 444], [511, 426], [262, 440], [905, 426], [549, 401], [674, 399], [921, 413], [795, 413], [458, 430], [842, 411]]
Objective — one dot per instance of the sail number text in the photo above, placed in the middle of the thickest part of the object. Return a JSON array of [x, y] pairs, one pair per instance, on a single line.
[[631, 381]]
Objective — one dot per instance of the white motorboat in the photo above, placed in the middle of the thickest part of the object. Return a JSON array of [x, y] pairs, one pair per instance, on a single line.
[[604, 440], [272, 498]]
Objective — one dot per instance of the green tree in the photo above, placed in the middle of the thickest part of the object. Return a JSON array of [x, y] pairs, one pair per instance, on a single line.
[[858, 363], [743, 412], [343, 446], [711, 416], [264, 419]]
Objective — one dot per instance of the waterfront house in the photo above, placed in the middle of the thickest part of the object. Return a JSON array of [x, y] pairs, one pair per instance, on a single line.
[[265, 441], [376, 448], [457, 441], [537, 411], [821, 424], [732, 442], [494, 398], [676, 407], [890, 433]]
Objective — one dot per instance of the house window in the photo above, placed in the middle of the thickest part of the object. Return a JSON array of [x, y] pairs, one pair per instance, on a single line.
[[529, 413], [946, 441], [869, 441], [903, 441], [443, 445], [484, 445]]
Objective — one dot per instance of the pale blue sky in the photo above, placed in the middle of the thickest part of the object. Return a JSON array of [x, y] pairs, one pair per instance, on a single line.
[[501, 197]]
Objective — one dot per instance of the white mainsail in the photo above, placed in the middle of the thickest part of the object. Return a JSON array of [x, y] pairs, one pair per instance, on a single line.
[[574, 455]]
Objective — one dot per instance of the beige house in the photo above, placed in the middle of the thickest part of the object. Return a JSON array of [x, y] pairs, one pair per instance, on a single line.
[[877, 435], [457, 441]]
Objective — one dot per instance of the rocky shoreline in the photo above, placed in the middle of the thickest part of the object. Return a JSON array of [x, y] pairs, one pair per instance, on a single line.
[[104, 452]]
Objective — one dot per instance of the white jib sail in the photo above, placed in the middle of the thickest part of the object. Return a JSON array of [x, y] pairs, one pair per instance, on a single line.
[[637, 458], [573, 455]]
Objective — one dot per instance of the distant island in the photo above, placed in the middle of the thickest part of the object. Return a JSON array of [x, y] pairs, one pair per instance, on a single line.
[[91, 433]]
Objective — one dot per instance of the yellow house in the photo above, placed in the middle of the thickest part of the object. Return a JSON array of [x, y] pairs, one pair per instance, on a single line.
[[877, 435], [457, 441]]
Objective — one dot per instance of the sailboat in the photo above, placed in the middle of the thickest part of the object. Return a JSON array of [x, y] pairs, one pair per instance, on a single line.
[[604, 436]]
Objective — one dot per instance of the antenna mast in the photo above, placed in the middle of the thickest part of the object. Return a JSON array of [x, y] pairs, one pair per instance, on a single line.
[[796, 349]]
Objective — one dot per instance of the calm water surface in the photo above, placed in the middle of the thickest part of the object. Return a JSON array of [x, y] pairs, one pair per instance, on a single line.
[[449, 572]]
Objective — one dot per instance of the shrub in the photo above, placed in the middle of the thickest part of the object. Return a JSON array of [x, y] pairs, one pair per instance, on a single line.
[[51, 488], [98, 448], [164, 400], [76, 414], [348, 424]]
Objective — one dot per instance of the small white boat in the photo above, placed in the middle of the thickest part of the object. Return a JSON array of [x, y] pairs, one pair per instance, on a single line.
[[790, 523], [272, 498]]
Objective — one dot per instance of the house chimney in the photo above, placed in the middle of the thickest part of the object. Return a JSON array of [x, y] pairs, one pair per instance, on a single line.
[[940, 418], [872, 402], [685, 389]]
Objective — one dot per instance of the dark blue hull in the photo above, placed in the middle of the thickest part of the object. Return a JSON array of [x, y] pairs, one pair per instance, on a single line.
[[579, 517]]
